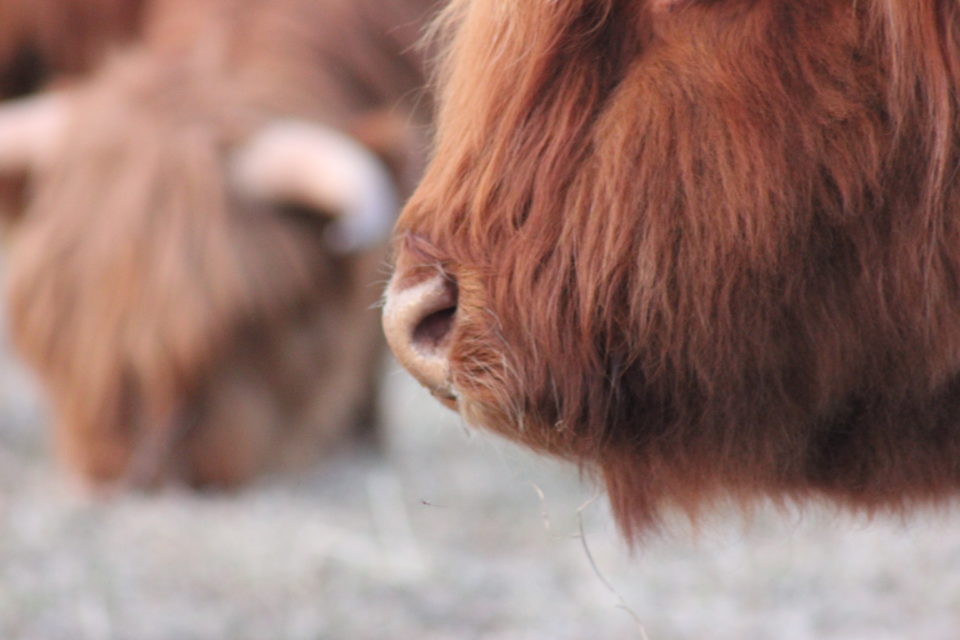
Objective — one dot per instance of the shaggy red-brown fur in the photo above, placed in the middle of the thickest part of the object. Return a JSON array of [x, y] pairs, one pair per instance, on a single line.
[[708, 248], [155, 298], [45, 39]]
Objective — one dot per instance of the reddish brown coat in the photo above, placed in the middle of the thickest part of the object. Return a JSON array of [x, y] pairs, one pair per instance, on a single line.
[[707, 248]]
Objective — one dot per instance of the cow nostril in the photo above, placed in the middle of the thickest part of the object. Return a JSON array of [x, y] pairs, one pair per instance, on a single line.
[[433, 331], [418, 321]]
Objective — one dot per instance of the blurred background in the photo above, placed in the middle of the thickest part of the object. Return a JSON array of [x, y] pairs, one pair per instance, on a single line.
[[449, 534], [428, 529]]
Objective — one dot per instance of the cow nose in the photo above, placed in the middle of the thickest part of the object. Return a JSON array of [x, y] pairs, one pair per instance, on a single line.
[[417, 321]]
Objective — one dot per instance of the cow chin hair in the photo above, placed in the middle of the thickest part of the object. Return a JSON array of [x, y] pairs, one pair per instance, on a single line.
[[707, 249]]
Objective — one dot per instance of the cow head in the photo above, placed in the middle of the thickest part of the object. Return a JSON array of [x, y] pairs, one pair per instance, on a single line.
[[707, 248], [192, 278]]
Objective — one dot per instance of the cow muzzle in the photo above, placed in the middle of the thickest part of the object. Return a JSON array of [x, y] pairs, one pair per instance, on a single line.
[[418, 322]]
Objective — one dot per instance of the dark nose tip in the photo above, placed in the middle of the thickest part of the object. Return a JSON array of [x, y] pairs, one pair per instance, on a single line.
[[418, 321]]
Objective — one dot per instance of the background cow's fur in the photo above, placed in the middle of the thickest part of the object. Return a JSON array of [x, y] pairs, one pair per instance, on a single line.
[[45, 39], [164, 305], [50, 42], [709, 248]]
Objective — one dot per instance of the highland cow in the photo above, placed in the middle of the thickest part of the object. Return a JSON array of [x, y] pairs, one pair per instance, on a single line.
[[194, 273], [709, 249]]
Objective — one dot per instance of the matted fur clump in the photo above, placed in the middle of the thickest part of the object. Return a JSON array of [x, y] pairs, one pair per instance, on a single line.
[[706, 248], [175, 280]]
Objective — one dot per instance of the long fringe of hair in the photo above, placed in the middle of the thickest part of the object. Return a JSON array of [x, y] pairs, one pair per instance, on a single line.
[[719, 242]]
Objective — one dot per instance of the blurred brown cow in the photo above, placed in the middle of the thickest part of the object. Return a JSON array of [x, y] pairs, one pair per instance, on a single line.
[[193, 276]]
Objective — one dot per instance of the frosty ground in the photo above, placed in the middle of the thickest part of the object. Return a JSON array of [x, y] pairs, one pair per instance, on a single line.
[[449, 534]]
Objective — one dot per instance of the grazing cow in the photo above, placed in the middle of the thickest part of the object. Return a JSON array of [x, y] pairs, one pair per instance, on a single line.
[[193, 276], [709, 249]]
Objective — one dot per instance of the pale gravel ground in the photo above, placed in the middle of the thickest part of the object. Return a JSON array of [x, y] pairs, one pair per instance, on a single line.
[[445, 537]]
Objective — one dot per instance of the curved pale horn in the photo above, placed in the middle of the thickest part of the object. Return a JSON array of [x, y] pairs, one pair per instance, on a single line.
[[31, 129], [313, 165]]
